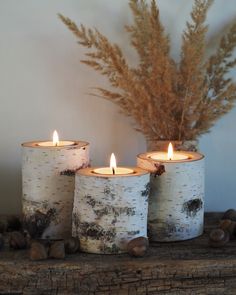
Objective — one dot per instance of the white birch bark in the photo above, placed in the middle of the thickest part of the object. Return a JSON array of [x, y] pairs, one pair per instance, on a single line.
[[176, 203], [48, 187], [109, 211]]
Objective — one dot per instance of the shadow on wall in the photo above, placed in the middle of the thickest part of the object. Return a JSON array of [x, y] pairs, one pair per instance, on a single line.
[[11, 184]]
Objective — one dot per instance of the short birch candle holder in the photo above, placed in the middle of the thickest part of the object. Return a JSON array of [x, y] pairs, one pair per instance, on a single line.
[[176, 202], [48, 186], [110, 210]]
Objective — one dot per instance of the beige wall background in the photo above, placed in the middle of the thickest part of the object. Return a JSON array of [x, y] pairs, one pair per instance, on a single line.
[[43, 86]]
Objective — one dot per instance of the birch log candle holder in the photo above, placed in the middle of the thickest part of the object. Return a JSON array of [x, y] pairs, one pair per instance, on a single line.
[[110, 208], [48, 170], [176, 202]]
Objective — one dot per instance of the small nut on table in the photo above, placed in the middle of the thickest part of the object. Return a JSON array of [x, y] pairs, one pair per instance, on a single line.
[[230, 214], [218, 237], [72, 245], [138, 246], [229, 226], [57, 250], [38, 251], [17, 240]]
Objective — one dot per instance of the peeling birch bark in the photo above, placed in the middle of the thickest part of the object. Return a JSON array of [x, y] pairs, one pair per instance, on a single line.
[[109, 210], [48, 187], [176, 202]]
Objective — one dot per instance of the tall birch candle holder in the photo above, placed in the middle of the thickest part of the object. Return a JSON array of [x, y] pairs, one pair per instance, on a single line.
[[110, 210], [48, 186], [176, 202]]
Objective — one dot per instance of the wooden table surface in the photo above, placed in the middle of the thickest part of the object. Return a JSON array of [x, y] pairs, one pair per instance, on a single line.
[[189, 267]]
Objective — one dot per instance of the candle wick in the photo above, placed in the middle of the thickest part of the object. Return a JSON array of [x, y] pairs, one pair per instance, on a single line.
[[113, 171]]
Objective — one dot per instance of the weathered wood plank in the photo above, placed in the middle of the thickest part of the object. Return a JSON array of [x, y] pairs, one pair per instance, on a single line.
[[188, 267]]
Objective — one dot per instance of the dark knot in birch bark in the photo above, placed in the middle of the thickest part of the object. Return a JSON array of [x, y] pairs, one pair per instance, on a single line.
[[36, 224], [160, 169], [68, 172], [96, 232], [192, 207], [72, 172], [145, 193]]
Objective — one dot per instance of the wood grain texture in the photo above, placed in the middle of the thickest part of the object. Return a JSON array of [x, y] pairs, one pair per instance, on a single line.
[[187, 267]]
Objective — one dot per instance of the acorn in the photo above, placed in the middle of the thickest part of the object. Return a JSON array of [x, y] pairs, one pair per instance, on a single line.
[[230, 214], [38, 251], [72, 245], [57, 250], [1, 241], [218, 237], [229, 226], [138, 247], [17, 240]]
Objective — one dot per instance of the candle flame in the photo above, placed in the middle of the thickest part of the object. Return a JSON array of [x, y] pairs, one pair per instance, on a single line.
[[55, 138], [113, 163], [170, 151]]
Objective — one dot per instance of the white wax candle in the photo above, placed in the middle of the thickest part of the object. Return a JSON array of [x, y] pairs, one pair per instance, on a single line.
[[59, 144], [117, 170], [163, 156], [113, 169], [56, 142]]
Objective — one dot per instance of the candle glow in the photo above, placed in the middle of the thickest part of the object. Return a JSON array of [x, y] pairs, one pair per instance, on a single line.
[[170, 155], [170, 151], [55, 142], [55, 138], [113, 163], [113, 169]]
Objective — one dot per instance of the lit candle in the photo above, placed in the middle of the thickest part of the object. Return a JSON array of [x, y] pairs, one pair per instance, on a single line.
[[171, 155], [113, 169], [48, 177], [110, 207], [176, 201], [55, 142]]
